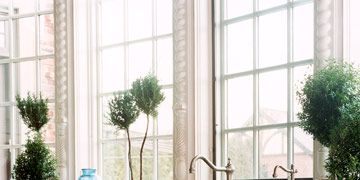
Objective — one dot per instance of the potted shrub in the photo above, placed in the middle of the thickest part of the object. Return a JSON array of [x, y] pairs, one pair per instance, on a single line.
[[344, 152], [37, 161], [148, 96], [123, 112], [326, 97], [331, 113]]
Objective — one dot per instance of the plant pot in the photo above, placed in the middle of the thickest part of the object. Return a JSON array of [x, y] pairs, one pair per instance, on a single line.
[[88, 174]]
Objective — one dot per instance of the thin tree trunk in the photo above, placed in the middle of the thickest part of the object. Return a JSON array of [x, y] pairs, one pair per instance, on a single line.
[[129, 155], [142, 145]]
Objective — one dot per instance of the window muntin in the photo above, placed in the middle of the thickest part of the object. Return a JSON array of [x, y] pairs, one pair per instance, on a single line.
[[26, 64], [266, 48], [137, 43]]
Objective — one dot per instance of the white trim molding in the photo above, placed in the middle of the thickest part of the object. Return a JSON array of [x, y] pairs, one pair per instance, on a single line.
[[183, 100], [64, 87], [328, 45]]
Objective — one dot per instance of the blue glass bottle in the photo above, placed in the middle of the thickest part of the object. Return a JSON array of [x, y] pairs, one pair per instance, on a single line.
[[88, 174]]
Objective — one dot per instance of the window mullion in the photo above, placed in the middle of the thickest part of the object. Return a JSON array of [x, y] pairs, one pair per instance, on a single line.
[[126, 75], [255, 90], [290, 156]]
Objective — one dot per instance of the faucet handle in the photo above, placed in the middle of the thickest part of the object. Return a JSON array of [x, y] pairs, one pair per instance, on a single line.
[[229, 165], [292, 167]]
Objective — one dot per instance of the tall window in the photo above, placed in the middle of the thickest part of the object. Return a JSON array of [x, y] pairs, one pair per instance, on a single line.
[[351, 31], [135, 38], [266, 48], [26, 65]]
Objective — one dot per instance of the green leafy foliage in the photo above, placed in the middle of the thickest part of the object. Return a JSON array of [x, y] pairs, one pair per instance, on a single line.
[[344, 154], [123, 111], [33, 110], [327, 96], [36, 162], [148, 95]]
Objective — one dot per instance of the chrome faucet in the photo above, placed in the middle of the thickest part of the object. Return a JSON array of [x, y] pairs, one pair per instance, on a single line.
[[291, 171], [228, 169]]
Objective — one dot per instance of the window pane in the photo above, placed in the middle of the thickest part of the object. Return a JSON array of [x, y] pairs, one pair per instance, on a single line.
[[108, 131], [164, 16], [24, 37], [148, 158], [25, 78], [273, 151], [273, 98], [240, 102], [49, 129], [5, 164], [46, 5], [112, 21], [4, 8], [112, 69], [165, 116], [137, 129], [273, 39], [300, 74], [265, 4], [239, 46], [235, 8], [165, 159], [140, 60], [5, 118], [4, 82], [303, 32], [165, 61], [46, 34], [21, 6], [114, 160], [139, 19], [354, 31], [240, 150], [47, 77], [21, 130], [303, 153], [4, 40]]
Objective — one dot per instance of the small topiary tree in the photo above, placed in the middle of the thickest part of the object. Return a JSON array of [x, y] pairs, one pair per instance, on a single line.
[[123, 112], [148, 96], [325, 97], [36, 162], [33, 111], [344, 152]]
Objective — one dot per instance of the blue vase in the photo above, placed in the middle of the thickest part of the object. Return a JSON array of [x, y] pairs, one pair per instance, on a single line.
[[88, 174]]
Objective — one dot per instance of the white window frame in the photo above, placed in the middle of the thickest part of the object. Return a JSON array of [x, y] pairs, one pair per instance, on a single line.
[[222, 77], [11, 60], [100, 119]]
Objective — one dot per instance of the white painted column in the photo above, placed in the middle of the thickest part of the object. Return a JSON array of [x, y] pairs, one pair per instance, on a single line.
[[328, 45], [64, 88], [192, 25], [183, 100]]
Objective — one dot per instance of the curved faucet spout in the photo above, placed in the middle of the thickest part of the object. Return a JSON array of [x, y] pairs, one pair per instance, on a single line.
[[291, 171], [228, 169], [210, 164]]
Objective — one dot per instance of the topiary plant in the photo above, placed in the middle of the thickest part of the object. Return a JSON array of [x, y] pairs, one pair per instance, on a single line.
[[148, 96], [36, 162], [33, 111], [325, 97], [344, 152], [123, 112]]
